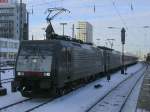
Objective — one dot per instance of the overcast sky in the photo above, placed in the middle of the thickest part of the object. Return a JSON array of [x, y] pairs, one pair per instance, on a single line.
[[131, 14]]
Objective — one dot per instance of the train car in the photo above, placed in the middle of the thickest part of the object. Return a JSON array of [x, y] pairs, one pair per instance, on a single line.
[[52, 67], [130, 59]]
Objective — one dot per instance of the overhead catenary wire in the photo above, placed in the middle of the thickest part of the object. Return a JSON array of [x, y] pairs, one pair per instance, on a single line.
[[118, 13], [132, 5], [121, 17]]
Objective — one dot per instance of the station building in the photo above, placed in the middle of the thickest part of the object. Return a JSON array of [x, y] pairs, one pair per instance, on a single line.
[[13, 27], [85, 31]]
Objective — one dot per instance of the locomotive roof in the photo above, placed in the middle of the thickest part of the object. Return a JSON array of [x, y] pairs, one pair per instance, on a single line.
[[105, 48], [61, 42], [72, 43]]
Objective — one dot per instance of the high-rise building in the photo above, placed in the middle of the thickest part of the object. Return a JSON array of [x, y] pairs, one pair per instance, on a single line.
[[13, 23], [85, 32]]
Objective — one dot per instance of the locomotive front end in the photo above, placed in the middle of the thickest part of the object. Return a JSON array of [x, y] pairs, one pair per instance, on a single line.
[[33, 72]]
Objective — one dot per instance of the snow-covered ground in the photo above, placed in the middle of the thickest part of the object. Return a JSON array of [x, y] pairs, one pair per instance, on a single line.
[[7, 73], [76, 101], [83, 98], [10, 97], [114, 101]]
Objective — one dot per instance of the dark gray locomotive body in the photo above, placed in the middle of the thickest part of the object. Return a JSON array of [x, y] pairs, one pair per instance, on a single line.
[[50, 67]]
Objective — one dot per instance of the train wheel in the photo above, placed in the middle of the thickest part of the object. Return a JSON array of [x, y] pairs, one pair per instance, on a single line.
[[61, 92]]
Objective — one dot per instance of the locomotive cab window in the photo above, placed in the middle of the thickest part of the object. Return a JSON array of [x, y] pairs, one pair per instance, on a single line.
[[35, 58]]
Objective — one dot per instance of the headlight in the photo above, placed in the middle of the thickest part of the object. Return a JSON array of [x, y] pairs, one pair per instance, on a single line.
[[34, 60], [20, 73], [47, 74]]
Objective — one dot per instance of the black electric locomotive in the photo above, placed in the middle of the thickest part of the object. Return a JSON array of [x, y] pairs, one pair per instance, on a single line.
[[50, 67]]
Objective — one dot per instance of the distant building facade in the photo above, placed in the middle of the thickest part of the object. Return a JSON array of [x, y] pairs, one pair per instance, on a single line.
[[85, 32], [11, 21]]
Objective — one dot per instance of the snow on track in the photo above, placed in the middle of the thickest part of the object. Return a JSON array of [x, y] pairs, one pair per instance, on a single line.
[[25, 106], [114, 101], [76, 101], [130, 105], [83, 98]]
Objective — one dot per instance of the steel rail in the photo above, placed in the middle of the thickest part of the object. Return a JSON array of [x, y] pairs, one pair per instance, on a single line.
[[13, 104], [132, 90], [87, 110]]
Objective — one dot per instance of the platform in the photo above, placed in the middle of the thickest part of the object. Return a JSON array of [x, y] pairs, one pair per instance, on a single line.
[[143, 104]]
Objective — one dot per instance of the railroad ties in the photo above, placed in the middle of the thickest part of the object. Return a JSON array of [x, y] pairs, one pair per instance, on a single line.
[[115, 100]]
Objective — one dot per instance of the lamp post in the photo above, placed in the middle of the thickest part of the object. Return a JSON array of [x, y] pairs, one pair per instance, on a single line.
[[123, 42], [110, 41], [63, 25]]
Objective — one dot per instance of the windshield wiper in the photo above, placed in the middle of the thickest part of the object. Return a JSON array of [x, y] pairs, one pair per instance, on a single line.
[[40, 54]]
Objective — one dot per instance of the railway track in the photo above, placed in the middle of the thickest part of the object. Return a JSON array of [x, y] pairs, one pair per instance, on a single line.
[[13, 104], [3, 81], [26, 105], [40, 105], [116, 98]]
